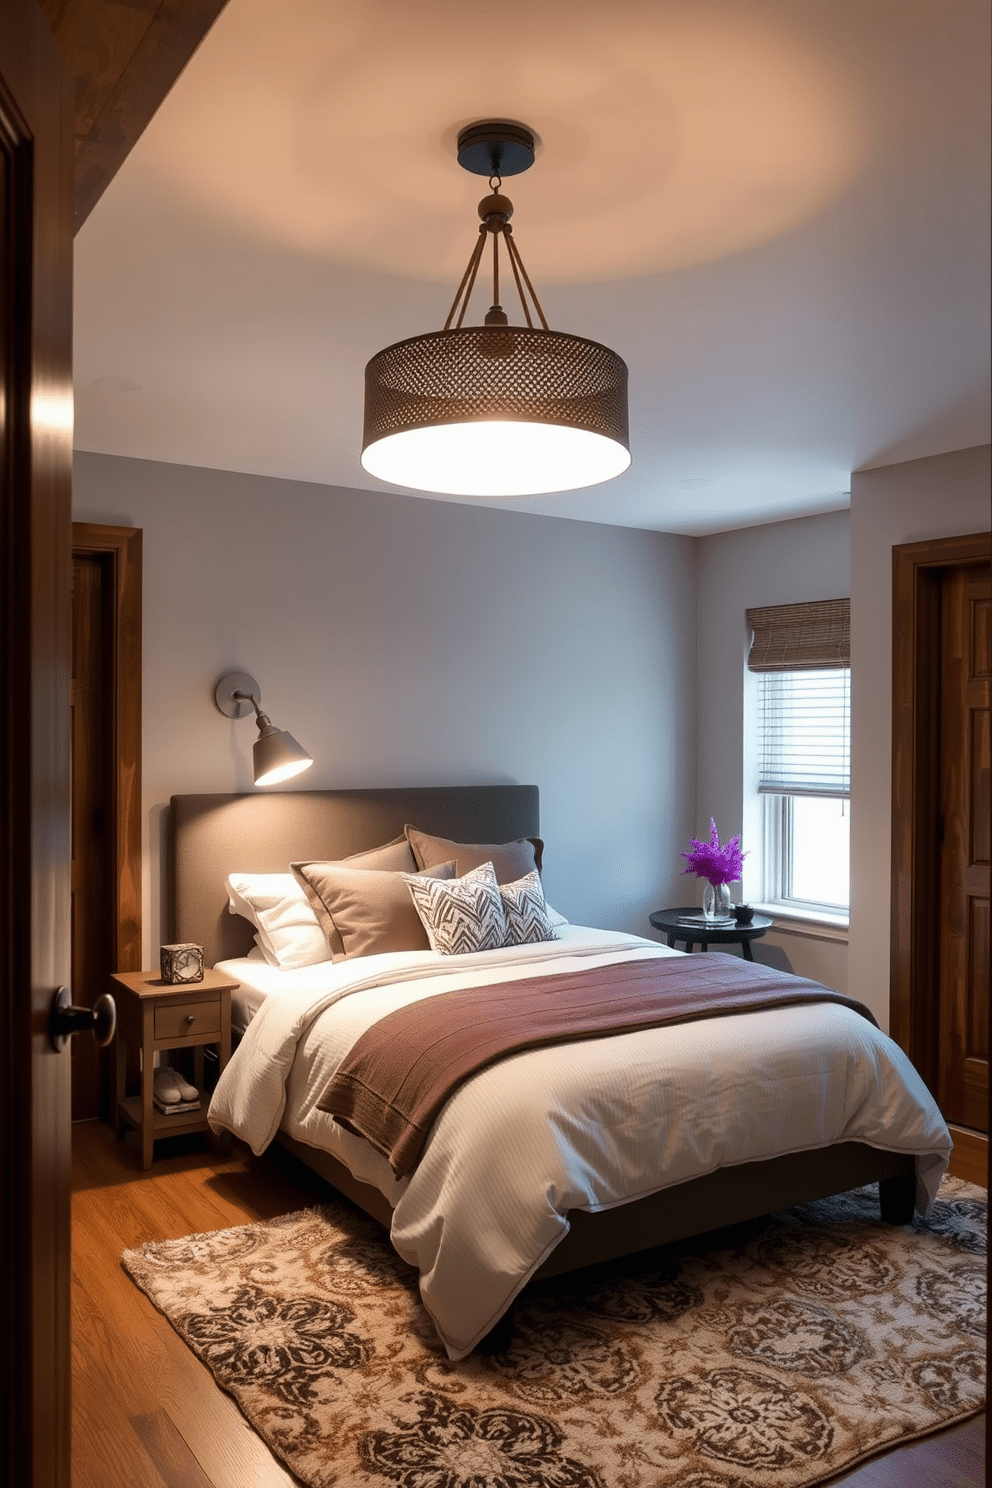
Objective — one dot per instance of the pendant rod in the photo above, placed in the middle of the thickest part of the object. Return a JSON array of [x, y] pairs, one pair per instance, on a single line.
[[520, 288], [516, 260], [468, 278], [463, 294], [471, 283]]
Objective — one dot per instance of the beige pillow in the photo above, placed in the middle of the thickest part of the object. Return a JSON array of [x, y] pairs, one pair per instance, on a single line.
[[511, 860], [363, 910], [392, 857]]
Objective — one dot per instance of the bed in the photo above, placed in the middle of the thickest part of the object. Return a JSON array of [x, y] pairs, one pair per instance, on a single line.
[[590, 1204]]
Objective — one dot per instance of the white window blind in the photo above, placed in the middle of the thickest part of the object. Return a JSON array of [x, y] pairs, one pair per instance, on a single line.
[[805, 732]]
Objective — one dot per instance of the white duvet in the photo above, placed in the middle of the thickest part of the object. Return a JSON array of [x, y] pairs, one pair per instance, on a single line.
[[580, 1126]]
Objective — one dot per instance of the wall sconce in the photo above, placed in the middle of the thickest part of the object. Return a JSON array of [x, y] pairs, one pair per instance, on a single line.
[[276, 755]]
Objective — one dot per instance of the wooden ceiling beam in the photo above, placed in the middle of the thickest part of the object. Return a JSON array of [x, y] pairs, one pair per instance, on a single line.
[[124, 55]]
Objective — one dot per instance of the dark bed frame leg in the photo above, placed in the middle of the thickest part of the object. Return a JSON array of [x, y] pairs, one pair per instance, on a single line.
[[897, 1199], [499, 1338]]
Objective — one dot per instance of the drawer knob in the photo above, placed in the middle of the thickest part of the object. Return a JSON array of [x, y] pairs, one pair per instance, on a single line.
[[189, 1018]]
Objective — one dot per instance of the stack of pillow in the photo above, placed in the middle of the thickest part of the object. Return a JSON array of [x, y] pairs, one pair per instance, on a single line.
[[414, 893]]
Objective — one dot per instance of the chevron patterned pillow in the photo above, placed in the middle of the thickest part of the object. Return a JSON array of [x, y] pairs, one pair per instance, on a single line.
[[461, 915], [527, 917]]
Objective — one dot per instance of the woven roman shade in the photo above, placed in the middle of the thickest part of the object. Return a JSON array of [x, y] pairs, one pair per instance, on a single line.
[[800, 637]]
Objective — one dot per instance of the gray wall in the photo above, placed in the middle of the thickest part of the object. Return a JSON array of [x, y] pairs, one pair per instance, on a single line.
[[779, 563], [944, 496], [419, 642]]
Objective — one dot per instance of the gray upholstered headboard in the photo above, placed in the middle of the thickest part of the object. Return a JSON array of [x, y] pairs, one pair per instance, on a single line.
[[211, 836]]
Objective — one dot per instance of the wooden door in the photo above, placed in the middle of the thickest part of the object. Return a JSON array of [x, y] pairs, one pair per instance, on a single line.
[[36, 201], [93, 918], [930, 846], [106, 784], [964, 769]]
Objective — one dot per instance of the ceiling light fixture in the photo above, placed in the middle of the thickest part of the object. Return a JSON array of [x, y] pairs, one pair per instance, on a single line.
[[496, 410]]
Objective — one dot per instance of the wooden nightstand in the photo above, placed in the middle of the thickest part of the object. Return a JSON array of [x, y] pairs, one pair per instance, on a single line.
[[155, 1016]]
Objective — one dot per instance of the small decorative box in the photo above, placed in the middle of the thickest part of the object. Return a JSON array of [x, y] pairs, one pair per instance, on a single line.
[[182, 963]]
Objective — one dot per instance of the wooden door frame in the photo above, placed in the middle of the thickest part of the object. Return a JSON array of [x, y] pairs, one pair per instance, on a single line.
[[36, 112], [122, 546], [914, 937]]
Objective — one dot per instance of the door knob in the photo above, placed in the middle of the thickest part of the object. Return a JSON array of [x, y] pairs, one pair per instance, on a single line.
[[66, 1020]]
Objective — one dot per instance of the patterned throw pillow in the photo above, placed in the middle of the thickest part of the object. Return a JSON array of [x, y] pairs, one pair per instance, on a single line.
[[527, 915], [463, 914]]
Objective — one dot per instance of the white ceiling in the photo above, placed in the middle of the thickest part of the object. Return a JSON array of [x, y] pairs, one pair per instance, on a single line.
[[776, 212]]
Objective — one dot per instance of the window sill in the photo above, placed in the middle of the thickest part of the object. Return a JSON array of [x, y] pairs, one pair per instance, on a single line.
[[814, 926]]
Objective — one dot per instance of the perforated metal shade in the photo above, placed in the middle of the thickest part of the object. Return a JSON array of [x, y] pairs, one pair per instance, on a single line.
[[496, 411]]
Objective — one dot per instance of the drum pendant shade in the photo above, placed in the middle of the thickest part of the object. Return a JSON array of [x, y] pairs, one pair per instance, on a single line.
[[490, 411]]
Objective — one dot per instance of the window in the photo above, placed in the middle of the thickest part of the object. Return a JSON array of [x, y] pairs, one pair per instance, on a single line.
[[804, 722], [801, 654]]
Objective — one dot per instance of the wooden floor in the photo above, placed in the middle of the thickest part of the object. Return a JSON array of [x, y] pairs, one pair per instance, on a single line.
[[147, 1414]]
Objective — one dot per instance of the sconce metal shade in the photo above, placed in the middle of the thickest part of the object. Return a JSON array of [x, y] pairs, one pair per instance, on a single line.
[[276, 755]]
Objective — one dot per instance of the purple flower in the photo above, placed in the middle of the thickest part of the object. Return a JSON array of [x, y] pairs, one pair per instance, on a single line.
[[721, 865]]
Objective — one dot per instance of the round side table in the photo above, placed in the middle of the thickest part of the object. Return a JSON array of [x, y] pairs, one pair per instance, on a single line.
[[687, 924]]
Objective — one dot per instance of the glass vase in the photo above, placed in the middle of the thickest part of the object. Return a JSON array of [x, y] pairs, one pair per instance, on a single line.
[[716, 901]]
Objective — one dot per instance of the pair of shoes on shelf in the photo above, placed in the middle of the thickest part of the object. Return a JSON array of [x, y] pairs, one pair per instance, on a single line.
[[171, 1088]]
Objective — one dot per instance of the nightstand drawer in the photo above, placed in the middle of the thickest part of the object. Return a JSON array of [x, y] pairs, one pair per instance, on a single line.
[[187, 1019]]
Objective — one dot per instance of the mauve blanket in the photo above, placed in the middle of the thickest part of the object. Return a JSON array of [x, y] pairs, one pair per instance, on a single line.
[[400, 1072]]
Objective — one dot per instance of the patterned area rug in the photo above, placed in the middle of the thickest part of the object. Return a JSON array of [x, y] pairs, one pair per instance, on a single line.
[[776, 1353]]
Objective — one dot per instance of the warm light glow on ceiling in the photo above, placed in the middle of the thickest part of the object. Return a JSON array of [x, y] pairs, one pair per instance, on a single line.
[[495, 458], [671, 134]]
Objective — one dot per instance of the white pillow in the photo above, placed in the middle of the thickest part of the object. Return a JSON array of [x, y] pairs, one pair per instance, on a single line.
[[526, 912], [460, 915], [286, 927]]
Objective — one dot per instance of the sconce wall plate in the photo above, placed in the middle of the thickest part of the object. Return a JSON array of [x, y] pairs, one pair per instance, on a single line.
[[228, 685]]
